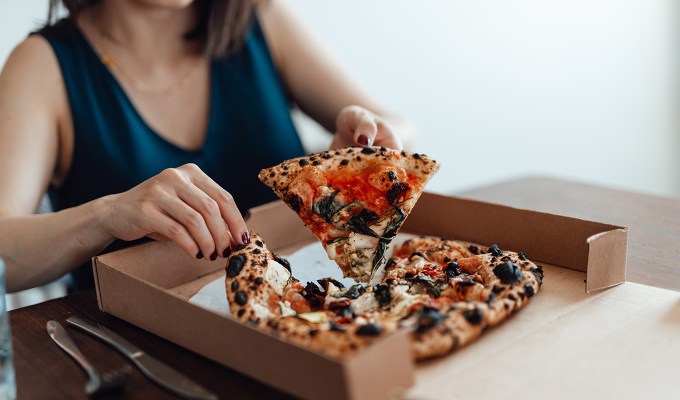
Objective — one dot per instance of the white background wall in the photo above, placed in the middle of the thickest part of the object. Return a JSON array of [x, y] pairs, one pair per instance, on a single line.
[[583, 89]]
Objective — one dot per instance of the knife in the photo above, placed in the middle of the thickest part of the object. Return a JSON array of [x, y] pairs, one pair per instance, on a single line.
[[152, 368]]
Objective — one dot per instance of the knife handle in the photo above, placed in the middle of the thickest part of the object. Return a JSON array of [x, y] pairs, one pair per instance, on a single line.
[[106, 335]]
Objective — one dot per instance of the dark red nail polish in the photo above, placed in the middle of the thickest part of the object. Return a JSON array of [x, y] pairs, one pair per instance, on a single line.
[[213, 256], [363, 140], [226, 252], [199, 255], [245, 237]]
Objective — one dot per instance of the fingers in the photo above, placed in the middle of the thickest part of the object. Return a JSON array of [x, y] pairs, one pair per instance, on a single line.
[[226, 206], [358, 126], [172, 230], [386, 137], [359, 123], [366, 129], [190, 211]]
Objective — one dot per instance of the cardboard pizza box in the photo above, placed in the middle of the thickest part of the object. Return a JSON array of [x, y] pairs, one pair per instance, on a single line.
[[149, 286]]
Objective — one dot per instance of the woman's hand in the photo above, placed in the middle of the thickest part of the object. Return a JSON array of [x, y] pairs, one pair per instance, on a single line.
[[179, 204], [357, 126]]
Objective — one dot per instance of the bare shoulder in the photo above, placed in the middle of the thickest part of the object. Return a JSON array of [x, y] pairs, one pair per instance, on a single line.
[[32, 64]]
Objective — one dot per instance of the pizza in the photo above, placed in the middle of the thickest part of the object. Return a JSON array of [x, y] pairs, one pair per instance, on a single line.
[[446, 292], [353, 199]]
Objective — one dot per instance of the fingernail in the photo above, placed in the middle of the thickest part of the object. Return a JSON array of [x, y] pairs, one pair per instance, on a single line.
[[199, 255], [213, 256], [363, 140], [245, 237], [226, 252]]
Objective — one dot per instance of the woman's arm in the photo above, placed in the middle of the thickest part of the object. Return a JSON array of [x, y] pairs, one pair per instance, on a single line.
[[322, 89], [180, 204], [36, 249]]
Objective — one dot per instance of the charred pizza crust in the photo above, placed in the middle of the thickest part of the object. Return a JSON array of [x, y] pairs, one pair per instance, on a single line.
[[262, 292], [470, 288], [353, 199], [446, 292]]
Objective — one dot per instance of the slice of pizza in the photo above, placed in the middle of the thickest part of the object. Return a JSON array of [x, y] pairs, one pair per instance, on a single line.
[[353, 199]]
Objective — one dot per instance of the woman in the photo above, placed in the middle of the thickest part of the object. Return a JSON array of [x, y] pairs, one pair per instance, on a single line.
[[151, 118]]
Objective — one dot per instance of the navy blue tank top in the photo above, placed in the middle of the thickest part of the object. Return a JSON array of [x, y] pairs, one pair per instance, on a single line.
[[249, 128]]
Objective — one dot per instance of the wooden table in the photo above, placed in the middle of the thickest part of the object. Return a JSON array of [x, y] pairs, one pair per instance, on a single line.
[[45, 372]]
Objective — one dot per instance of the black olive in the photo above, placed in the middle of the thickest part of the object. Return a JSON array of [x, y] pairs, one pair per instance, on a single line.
[[303, 162], [508, 272], [497, 289], [383, 148], [258, 280], [452, 269], [241, 312], [354, 291], [368, 150], [259, 243], [235, 265], [392, 175], [382, 294], [370, 329], [234, 286], [416, 156], [241, 298], [528, 289], [257, 251], [495, 250], [344, 162], [316, 163], [522, 256], [474, 316], [397, 189], [313, 332], [337, 328], [473, 249], [326, 156], [240, 247]]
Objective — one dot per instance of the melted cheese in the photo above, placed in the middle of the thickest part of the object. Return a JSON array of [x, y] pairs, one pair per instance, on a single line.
[[277, 276], [315, 317], [261, 311], [365, 303], [401, 300], [286, 309]]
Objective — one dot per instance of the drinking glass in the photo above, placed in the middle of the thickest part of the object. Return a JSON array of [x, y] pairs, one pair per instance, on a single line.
[[8, 389]]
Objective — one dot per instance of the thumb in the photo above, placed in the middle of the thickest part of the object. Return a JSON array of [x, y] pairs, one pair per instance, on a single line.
[[365, 129]]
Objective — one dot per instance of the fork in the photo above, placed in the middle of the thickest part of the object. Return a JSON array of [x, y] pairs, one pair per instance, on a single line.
[[111, 380]]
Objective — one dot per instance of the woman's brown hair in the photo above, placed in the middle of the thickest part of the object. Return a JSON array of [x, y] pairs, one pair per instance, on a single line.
[[222, 25]]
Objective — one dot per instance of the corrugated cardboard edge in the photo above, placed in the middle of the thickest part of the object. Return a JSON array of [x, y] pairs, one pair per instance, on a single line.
[[607, 258], [549, 238], [289, 367], [385, 368]]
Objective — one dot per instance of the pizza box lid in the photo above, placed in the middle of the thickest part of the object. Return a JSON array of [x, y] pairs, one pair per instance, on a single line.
[[149, 286]]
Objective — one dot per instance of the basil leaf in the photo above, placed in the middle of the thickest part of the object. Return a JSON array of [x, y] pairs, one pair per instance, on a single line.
[[395, 223], [379, 254], [327, 207], [360, 222]]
